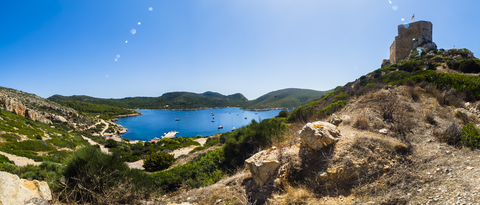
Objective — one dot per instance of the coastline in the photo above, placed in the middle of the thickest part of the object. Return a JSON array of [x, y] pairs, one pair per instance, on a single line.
[[247, 109], [125, 130]]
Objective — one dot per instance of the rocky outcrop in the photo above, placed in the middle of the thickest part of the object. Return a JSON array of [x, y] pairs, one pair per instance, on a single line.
[[60, 118], [335, 120], [274, 161], [317, 135], [262, 165], [14, 105], [14, 190]]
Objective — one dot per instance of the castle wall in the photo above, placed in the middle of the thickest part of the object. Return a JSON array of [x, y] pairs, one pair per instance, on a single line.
[[403, 43]]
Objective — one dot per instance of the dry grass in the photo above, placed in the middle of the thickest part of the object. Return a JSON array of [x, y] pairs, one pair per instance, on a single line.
[[361, 122], [293, 195]]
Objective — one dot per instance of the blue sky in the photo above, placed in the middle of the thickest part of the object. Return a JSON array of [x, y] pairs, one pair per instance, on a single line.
[[252, 47]]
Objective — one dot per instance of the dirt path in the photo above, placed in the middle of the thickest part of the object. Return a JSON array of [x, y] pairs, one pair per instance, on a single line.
[[106, 127], [136, 165], [20, 161], [105, 150]]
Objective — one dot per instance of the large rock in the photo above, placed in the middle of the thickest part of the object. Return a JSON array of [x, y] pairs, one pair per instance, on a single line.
[[263, 165], [335, 120], [60, 118], [317, 135], [14, 190]]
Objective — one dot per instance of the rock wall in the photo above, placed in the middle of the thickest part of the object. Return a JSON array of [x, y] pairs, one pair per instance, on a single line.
[[14, 105], [404, 43]]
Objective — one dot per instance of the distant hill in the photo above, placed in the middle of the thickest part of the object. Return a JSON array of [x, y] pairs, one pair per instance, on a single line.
[[186, 100], [172, 100], [290, 97]]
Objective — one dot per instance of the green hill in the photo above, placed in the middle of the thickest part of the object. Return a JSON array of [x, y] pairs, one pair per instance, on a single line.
[[186, 100], [290, 97]]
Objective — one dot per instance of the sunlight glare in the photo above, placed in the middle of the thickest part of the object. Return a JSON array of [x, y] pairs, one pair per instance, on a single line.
[[133, 31], [394, 8], [150, 8]]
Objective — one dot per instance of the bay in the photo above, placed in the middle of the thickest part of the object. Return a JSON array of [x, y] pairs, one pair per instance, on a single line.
[[154, 123]]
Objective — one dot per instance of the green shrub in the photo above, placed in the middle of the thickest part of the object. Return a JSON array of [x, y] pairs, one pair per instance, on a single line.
[[330, 109], [246, 140], [470, 136], [204, 170], [10, 137], [95, 177], [110, 143], [4, 159], [158, 161], [283, 113], [469, 66]]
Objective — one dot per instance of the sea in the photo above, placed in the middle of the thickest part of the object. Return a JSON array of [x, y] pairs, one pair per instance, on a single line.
[[188, 123]]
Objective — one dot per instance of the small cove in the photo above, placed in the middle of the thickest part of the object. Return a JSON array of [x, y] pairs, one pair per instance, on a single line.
[[154, 123]]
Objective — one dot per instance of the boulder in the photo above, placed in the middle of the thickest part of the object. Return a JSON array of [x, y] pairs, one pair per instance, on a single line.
[[60, 118], [335, 120], [14, 190], [386, 63], [32, 114], [263, 165], [345, 117], [383, 131], [457, 57], [317, 135]]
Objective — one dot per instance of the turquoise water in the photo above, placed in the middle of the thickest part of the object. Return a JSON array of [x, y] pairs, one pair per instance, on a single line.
[[154, 123]]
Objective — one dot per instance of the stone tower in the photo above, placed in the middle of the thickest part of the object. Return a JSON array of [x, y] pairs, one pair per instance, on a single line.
[[403, 44]]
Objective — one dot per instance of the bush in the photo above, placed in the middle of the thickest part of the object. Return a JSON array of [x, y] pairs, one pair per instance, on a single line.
[[203, 170], [469, 66], [452, 135], [470, 136], [110, 143], [283, 113], [98, 178], [158, 161], [361, 123], [240, 144], [4, 159], [430, 119]]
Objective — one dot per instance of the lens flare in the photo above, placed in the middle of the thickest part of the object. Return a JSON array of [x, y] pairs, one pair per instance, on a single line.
[[150, 8], [118, 56], [402, 19], [133, 31], [126, 41], [414, 39], [139, 23], [116, 60], [406, 25], [394, 8], [389, 1]]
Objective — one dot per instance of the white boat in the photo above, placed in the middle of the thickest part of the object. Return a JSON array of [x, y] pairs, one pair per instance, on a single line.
[[220, 127], [213, 120], [177, 119], [233, 129]]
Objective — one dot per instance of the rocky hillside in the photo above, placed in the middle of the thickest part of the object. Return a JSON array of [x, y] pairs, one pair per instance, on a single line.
[[407, 133]]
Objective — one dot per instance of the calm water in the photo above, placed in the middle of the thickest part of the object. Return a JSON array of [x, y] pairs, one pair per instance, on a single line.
[[154, 123]]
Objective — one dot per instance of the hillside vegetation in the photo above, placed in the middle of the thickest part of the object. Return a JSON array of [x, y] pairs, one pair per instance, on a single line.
[[104, 111], [409, 134], [287, 98]]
